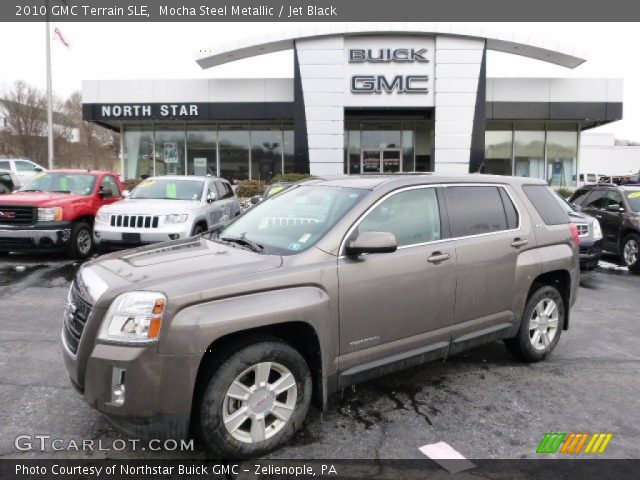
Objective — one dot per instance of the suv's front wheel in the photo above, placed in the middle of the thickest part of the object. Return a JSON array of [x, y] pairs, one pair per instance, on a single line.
[[255, 399], [541, 325], [631, 252]]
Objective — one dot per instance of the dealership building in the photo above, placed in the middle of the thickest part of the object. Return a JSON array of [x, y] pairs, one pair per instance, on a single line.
[[363, 99]]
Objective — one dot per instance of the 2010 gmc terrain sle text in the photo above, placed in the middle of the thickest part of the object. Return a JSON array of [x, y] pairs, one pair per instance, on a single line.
[[229, 335]]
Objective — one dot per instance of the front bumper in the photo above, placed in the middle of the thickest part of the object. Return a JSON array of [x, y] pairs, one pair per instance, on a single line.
[[590, 253], [50, 235], [105, 235], [158, 389]]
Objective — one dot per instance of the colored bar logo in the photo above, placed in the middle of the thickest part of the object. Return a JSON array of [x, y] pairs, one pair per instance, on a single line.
[[573, 443]]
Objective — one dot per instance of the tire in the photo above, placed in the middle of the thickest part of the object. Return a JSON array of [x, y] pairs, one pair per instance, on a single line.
[[545, 337], [630, 252], [81, 242], [198, 229], [231, 434]]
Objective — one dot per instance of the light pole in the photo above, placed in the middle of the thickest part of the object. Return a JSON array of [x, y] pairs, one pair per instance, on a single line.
[[49, 95]]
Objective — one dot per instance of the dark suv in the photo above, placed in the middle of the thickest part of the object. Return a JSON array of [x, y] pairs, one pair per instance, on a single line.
[[617, 209]]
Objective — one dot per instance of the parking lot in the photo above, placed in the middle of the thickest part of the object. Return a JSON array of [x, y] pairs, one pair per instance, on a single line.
[[482, 402]]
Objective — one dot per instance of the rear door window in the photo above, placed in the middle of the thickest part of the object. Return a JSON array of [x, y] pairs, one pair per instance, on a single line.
[[545, 204], [5, 165], [474, 210], [580, 196]]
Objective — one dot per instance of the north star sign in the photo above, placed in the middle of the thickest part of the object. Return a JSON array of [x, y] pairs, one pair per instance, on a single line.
[[150, 111], [382, 83]]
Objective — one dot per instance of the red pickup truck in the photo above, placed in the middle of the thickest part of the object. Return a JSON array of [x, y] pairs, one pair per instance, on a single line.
[[55, 210]]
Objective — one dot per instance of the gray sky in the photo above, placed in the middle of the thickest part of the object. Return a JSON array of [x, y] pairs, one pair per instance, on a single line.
[[167, 50]]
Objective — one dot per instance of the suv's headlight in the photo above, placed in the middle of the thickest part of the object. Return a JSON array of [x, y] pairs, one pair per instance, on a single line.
[[176, 218], [597, 230], [134, 317], [102, 217], [53, 214]]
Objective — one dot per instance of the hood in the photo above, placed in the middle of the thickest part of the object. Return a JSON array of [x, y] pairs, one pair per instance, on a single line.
[[150, 207], [40, 199], [579, 217], [181, 267]]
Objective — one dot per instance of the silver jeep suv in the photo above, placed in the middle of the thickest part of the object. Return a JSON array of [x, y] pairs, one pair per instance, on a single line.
[[230, 335]]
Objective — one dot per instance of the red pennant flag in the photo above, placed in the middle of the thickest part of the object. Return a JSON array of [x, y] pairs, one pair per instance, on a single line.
[[61, 37]]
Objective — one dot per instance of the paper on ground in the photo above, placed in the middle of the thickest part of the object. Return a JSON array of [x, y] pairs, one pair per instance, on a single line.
[[446, 456]]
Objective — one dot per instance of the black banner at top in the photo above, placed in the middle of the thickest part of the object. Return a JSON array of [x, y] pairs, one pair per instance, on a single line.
[[317, 10]]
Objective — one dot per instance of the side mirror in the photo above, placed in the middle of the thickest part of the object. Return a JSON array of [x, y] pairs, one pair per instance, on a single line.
[[38, 169], [211, 197], [615, 208], [105, 192], [372, 242], [255, 200]]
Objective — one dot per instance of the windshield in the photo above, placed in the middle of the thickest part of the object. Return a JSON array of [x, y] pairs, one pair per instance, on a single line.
[[633, 197], [566, 206], [78, 183], [168, 189], [295, 219]]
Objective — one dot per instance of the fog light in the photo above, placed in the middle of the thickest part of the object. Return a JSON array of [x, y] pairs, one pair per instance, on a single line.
[[97, 234], [117, 386], [174, 236]]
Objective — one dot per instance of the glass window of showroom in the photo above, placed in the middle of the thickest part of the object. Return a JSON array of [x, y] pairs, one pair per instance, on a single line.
[[235, 151], [548, 151]]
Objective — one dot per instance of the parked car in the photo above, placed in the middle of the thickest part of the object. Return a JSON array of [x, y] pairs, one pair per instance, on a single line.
[[23, 169], [617, 208], [55, 210], [8, 181], [327, 284], [589, 232], [166, 208], [271, 191]]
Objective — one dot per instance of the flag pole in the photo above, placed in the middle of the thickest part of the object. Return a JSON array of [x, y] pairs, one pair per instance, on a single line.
[[49, 97]]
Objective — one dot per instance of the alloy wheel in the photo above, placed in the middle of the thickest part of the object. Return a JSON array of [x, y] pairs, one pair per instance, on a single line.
[[543, 324], [259, 402], [630, 252], [84, 241]]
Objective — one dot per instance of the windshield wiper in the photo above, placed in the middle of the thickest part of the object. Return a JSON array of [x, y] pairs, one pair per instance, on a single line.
[[60, 191], [30, 190], [251, 245]]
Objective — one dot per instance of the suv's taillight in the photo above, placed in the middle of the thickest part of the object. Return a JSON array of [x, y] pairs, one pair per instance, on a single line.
[[575, 238]]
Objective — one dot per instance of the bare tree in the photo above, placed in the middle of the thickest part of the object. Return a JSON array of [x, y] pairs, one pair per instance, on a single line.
[[23, 106]]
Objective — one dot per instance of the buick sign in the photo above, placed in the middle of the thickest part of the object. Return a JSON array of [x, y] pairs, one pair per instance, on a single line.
[[386, 55]]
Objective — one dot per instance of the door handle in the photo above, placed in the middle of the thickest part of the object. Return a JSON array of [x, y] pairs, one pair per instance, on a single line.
[[519, 242], [438, 257]]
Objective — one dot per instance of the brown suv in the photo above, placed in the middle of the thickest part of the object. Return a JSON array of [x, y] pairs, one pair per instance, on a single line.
[[229, 335]]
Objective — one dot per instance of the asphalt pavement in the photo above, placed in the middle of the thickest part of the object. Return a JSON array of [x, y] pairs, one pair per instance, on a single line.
[[483, 403]]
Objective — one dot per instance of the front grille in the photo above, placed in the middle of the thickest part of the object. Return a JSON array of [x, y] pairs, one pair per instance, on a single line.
[[7, 243], [583, 230], [17, 215], [75, 319], [134, 221]]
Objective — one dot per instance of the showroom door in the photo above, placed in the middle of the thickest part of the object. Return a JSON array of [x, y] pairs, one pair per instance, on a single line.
[[391, 160], [370, 161]]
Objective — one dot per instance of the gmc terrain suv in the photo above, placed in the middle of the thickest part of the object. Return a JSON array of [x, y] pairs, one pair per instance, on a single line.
[[230, 334], [617, 208]]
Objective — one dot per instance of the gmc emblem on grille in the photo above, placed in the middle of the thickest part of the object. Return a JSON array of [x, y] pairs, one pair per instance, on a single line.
[[70, 309], [7, 215]]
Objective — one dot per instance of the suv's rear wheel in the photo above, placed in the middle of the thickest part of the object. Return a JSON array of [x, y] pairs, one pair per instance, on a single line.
[[255, 399], [631, 252], [541, 325], [81, 241]]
